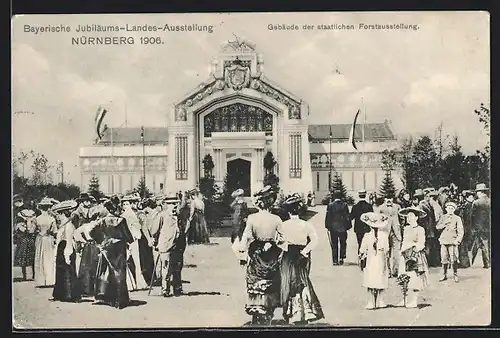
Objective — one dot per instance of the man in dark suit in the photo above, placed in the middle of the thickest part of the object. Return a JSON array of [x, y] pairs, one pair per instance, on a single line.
[[337, 222], [481, 224], [358, 209]]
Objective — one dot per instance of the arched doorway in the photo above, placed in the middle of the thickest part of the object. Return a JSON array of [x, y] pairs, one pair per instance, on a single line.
[[238, 174]]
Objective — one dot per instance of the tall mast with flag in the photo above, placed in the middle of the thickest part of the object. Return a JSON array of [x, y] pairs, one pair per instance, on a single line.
[[352, 140], [143, 162]]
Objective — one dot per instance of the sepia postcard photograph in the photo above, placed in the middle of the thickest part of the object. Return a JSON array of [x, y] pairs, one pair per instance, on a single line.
[[251, 170]]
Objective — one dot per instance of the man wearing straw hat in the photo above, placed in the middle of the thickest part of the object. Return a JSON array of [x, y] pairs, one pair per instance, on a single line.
[[481, 224]]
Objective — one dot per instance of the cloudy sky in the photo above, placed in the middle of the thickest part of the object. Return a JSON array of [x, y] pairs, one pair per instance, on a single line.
[[416, 79]]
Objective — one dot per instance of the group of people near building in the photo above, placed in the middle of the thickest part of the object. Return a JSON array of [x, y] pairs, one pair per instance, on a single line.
[[105, 248], [402, 237]]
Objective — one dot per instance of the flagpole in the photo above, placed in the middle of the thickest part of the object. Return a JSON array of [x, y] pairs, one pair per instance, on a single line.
[[143, 161], [112, 164], [330, 161], [363, 141]]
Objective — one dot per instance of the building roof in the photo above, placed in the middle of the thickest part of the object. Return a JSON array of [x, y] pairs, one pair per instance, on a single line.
[[373, 131], [320, 132], [133, 135]]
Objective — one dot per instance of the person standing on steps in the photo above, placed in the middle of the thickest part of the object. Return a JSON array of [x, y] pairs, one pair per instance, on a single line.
[[337, 223]]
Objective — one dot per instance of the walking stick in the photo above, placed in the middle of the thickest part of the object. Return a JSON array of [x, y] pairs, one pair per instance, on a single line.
[[153, 274]]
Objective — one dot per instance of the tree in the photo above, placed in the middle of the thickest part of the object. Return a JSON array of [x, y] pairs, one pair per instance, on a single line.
[[208, 165], [454, 166], [230, 184], [483, 156], [388, 190], [484, 114], [338, 185], [39, 168], [270, 178], [424, 160], [389, 160], [142, 189], [207, 183], [94, 187]]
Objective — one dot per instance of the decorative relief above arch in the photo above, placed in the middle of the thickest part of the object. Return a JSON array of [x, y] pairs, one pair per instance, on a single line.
[[237, 74], [238, 117]]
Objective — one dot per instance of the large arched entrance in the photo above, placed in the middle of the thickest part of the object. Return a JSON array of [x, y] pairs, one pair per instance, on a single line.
[[238, 175]]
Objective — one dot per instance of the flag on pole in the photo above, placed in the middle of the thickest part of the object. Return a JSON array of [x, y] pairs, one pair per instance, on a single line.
[[99, 116], [353, 130]]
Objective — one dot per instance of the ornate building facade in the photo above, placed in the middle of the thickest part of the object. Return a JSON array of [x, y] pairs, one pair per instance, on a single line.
[[237, 116]]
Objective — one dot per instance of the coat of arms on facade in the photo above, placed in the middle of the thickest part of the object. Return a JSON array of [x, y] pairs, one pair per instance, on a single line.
[[237, 76]]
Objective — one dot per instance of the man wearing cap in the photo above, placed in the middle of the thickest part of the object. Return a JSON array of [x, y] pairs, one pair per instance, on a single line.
[[239, 216], [167, 249], [450, 238], [135, 229], [391, 210], [358, 209], [429, 224], [338, 222], [465, 248], [481, 223]]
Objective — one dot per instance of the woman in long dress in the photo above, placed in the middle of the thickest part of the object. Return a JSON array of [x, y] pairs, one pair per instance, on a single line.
[[259, 239], [112, 236], [197, 228], [87, 270], [66, 288], [413, 247], [375, 249], [299, 300], [45, 264], [239, 215], [25, 234]]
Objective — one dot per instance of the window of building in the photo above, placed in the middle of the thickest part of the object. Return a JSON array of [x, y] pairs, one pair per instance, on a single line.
[[317, 181], [329, 180], [181, 160], [295, 156]]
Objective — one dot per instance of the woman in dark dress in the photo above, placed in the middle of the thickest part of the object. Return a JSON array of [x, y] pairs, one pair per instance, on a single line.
[[197, 231], [260, 238], [299, 300], [112, 236], [25, 234], [239, 215], [66, 288], [87, 270]]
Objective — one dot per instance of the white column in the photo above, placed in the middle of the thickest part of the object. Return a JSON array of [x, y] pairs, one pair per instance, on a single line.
[[191, 160]]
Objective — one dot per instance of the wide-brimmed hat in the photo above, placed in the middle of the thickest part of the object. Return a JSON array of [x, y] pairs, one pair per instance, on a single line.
[[45, 202], [418, 193], [17, 198], [443, 190], [417, 211], [26, 213], [65, 205], [450, 203], [468, 193], [374, 220], [264, 192], [481, 187], [131, 198], [83, 197], [292, 200], [237, 193]]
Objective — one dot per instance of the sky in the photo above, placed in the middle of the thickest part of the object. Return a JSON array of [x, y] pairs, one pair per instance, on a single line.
[[414, 78]]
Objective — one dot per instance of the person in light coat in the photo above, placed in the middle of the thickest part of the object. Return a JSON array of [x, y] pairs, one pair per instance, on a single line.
[[451, 237]]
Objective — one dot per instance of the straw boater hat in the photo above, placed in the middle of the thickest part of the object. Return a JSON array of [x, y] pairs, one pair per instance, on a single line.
[[130, 198], [481, 187], [45, 202], [65, 206], [450, 204], [237, 193], [362, 193], [26, 213], [374, 220], [418, 193], [417, 211], [83, 197]]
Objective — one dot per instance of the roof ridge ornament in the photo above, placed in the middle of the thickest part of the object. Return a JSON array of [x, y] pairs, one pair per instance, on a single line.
[[238, 45]]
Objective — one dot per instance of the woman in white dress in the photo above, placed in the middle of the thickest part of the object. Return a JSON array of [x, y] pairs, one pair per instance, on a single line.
[[375, 249], [45, 261]]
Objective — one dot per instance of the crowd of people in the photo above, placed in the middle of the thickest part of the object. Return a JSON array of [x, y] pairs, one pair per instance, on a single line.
[[105, 248], [108, 247], [402, 237]]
